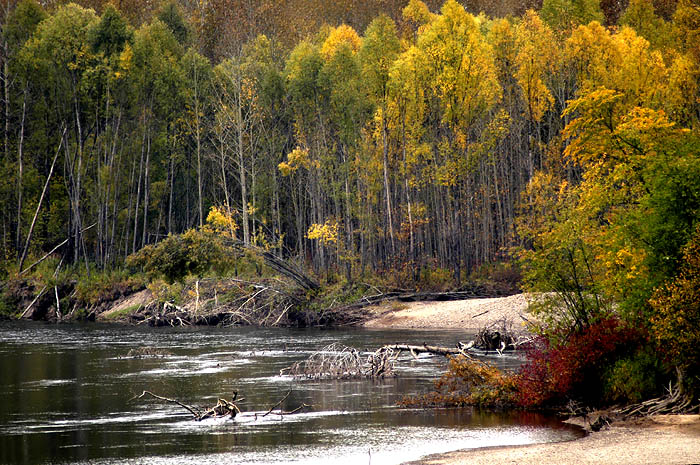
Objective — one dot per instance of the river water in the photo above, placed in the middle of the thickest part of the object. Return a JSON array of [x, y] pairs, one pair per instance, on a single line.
[[66, 397]]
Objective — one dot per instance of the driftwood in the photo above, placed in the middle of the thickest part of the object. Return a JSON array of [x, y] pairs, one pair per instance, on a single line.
[[280, 265], [288, 270], [280, 411], [223, 407], [499, 336], [353, 314], [461, 349], [267, 303], [337, 361]]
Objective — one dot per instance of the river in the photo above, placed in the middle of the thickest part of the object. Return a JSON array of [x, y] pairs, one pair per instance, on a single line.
[[66, 397]]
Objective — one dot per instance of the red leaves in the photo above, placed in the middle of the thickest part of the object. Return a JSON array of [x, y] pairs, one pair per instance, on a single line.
[[576, 368]]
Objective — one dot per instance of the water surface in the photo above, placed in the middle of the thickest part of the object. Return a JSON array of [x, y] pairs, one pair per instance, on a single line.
[[67, 394]]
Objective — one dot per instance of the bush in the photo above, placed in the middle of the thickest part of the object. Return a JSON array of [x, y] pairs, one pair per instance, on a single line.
[[506, 276], [107, 286], [178, 256], [575, 369], [635, 378], [468, 382]]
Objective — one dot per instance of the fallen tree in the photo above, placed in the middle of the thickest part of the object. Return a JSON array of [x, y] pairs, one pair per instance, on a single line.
[[338, 361]]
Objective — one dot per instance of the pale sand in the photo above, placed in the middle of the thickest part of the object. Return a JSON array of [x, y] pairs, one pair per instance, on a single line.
[[470, 314], [665, 439]]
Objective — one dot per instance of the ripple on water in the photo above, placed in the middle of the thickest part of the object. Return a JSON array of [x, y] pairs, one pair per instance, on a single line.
[[67, 399]]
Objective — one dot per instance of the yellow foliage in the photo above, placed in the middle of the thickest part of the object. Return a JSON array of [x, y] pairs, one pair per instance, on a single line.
[[460, 65], [295, 159], [682, 93], [620, 61], [221, 222], [342, 35], [326, 233], [535, 60], [417, 12], [125, 61]]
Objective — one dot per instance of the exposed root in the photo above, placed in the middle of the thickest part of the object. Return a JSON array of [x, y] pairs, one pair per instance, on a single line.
[[229, 303], [675, 401]]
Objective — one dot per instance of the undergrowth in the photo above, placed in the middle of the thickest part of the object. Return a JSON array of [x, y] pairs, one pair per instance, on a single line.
[[468, 382]]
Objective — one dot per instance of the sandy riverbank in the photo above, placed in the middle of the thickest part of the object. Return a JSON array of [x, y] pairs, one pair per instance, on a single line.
[[471, 314], [664, 439]]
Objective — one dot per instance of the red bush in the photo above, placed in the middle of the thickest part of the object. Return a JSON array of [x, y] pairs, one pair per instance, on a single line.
[[576, 368]]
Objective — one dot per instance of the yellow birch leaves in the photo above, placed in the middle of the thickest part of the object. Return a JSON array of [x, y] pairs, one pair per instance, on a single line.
[[534, 60]]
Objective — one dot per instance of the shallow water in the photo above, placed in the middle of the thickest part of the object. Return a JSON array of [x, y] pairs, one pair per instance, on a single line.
[[66, 394]]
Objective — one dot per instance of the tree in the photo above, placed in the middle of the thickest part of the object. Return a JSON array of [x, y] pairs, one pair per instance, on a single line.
[[156, 78], [564, 15], [535, 61], [677, 315], [380, 48], [196, 92]]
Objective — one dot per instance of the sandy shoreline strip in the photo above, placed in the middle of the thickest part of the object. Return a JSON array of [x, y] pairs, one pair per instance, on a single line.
[[471, 314], [664, 439]]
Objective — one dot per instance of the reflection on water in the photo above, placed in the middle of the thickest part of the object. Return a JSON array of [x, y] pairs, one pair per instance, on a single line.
[[66, 394]]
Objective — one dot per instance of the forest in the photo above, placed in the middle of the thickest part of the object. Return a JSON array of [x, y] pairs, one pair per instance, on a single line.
[[422, 145]]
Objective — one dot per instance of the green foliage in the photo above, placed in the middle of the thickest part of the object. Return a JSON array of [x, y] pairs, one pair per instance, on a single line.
[[558, 264], [563, 15], [676, 317], [177, 256], [107, 286], [111, 34], [380, 47], [640, 16], [172, 16], [23, 21], [634, 379]]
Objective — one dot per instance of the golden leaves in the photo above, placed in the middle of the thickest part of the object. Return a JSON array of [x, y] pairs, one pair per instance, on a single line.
[[341, 36], [295, 159], [219, 221], [534, 61], [326, 233]]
